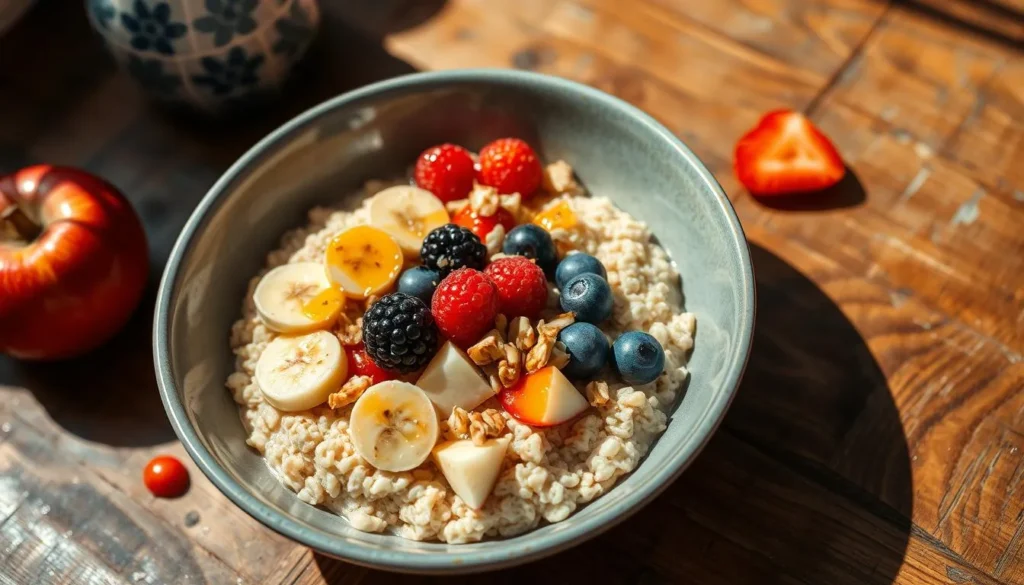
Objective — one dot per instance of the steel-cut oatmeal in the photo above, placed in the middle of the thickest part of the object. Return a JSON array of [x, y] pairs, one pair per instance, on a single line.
[[471, 355]]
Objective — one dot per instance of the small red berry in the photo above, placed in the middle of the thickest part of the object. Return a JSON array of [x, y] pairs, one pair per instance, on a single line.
[[165, 477], [360, 364], [510, 166], [464, 306], [446, 171], [482, 225], [522, 287]]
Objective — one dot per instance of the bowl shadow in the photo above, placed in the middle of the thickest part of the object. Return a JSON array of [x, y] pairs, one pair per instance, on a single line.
[[807, 481]]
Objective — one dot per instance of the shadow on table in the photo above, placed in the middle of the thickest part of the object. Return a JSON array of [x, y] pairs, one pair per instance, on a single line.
[[110, 396], [847, 193], [807, 481]]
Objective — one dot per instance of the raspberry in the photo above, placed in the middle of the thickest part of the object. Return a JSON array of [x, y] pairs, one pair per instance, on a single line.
[[522, 288], [482, 225], [510, 166], [446, 171], [464, 306]]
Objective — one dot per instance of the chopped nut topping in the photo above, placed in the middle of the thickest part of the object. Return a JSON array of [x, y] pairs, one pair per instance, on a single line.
[[522, 334], [349, 392], [349, 331], [501, 325], [547, 335], [495, 238], [540, 354], [456, 206], [597, 393], [512, 203], [491, 371], [559, 356], [488, 350], [558, 178], [552, 328], [478, 426], [484, 200], [510, 368]]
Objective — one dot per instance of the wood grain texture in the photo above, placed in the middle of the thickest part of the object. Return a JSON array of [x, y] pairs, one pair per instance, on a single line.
[[878, 436]]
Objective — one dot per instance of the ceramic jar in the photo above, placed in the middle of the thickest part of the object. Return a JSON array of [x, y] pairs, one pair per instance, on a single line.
[[211, 55]]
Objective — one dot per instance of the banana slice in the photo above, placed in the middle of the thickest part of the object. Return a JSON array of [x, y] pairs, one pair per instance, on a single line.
[[297, 298], [393, 426], [363, 260], [299, 372], [408, 214]]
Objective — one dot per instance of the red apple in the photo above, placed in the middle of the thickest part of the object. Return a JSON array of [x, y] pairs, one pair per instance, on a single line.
[[73, 262]]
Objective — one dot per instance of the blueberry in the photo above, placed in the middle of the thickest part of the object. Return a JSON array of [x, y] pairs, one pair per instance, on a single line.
[[534, 242], [419, 282], [574, 265], [589, 296], [638, 357], [587, 348]]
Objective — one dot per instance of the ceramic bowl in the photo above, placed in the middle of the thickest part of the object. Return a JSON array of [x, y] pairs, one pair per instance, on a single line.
[[209, 55], [617, 151]]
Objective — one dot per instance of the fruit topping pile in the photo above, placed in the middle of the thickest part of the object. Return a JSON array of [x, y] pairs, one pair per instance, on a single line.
[[468, 308]]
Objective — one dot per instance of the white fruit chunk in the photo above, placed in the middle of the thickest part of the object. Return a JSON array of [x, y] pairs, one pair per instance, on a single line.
[[393, 426], [451, 379], [407, 213], [282, 294], [298, 372], [471, 469], [564, 400]]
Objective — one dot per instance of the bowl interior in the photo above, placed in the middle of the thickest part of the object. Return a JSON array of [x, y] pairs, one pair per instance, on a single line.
[[376, 133]]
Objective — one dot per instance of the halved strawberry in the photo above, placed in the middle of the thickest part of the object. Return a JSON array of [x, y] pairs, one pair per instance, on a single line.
[[785, 154]]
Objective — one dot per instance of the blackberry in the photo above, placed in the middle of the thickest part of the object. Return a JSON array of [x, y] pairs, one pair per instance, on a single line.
[[399, 333], [450, 247]]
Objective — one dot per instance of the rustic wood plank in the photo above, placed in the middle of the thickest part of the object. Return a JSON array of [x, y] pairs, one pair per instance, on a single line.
[[936, 220], [816, 36], [1001, 18]]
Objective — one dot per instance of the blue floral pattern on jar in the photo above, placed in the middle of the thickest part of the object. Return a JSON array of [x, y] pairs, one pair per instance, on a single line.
[[295, 30], [151, 76], [152, 28], [238, 70], [227, 18]]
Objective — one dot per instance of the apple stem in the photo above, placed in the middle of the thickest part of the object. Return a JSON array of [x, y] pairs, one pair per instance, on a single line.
[[14, 217]]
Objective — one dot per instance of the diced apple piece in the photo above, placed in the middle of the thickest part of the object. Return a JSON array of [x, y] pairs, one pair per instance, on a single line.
[[543, 398], [471, 469], [451, 379]]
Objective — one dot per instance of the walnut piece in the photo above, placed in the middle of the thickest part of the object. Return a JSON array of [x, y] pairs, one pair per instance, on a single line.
[[478, 426], [349, 392], [349, 331], [456, 206], [501, 325], [540, 354], [597, 393], [558, 178], [522, 334], [488, 350], [551, 328], [510, 368], [484, 200], [512, 203], [547, 335], [494, 240], [559, 356]]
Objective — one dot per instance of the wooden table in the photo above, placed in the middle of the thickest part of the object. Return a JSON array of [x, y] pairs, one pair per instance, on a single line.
[[879, 433]]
